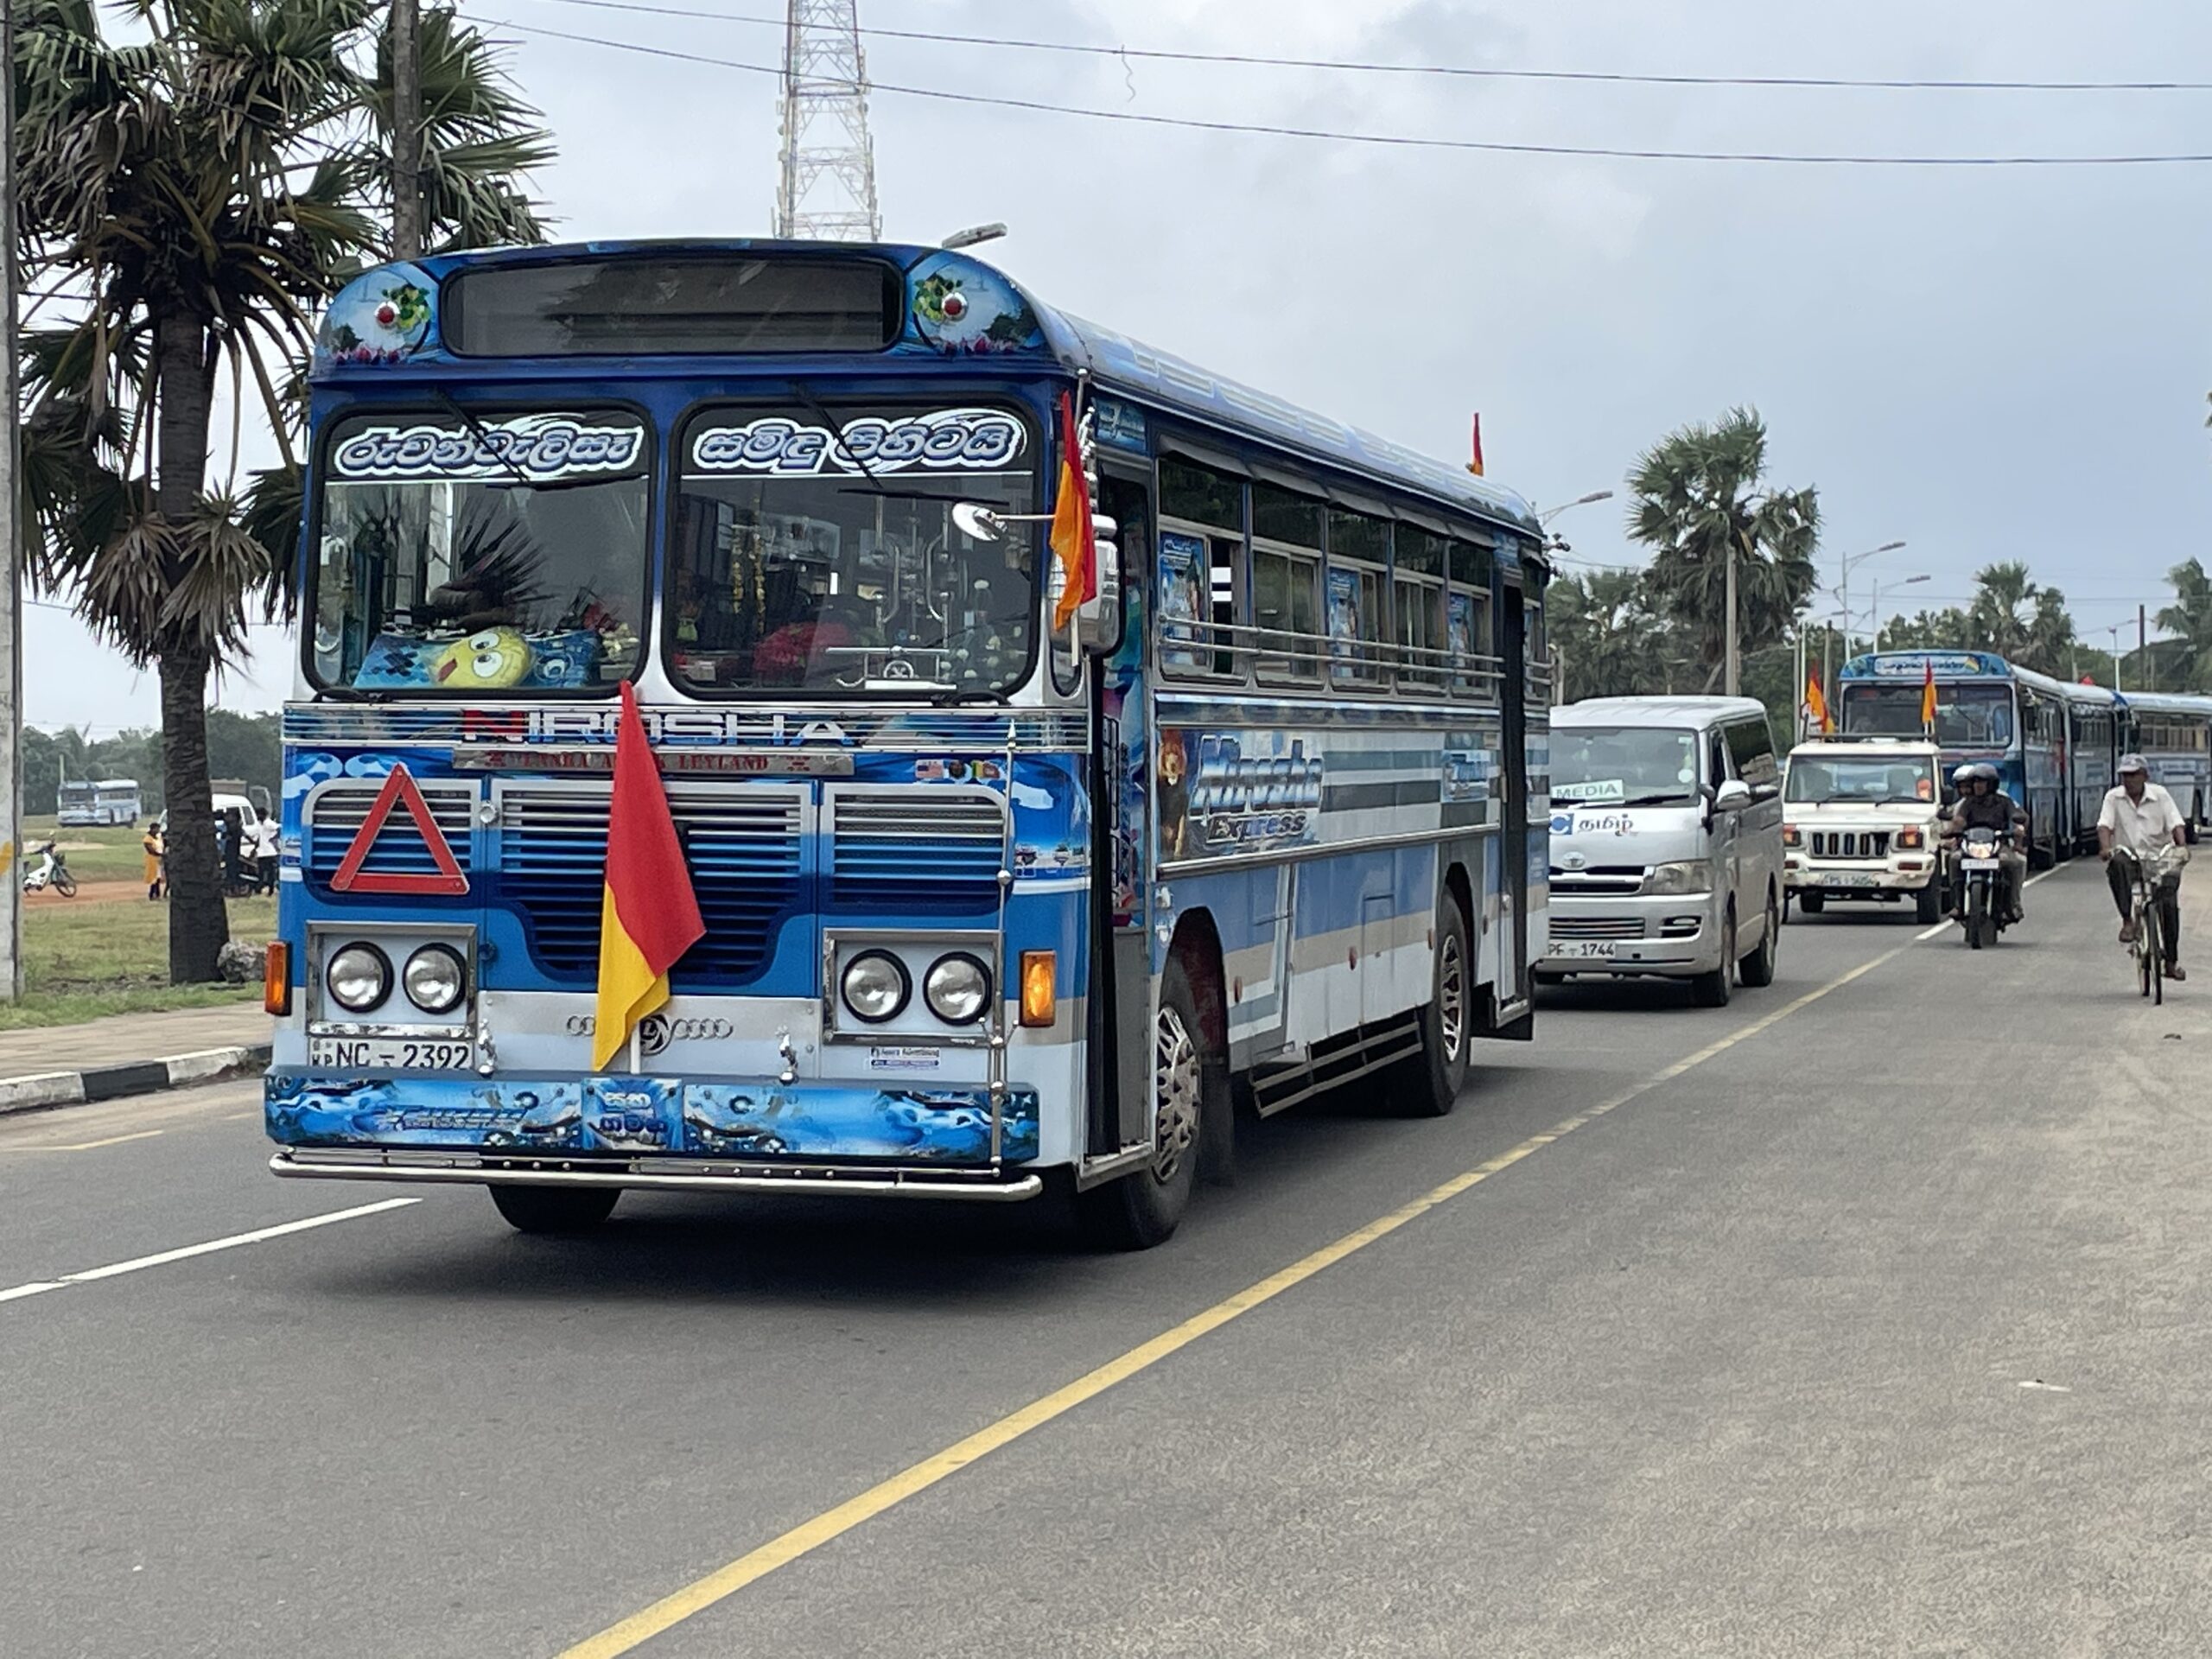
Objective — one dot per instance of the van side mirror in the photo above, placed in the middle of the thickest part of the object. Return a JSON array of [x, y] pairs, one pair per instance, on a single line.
[[1731, 797]]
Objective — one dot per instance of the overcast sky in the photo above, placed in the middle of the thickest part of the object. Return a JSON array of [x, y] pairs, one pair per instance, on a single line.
[[1988, 363]]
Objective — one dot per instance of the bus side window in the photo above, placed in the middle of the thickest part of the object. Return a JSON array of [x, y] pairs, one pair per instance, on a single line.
[[1194, 577], [1474, 644]]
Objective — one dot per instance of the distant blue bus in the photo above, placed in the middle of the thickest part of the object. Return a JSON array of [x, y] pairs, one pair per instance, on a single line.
[[989, 903], [2054, 744]]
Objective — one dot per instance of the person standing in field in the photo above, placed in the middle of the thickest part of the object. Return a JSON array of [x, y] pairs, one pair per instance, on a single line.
[[151, 840]]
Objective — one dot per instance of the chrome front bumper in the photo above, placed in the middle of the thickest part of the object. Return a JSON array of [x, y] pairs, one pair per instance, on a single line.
[[651, 1174]]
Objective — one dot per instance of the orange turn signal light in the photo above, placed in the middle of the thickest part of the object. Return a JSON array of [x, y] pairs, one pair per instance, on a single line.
[[1040, 1001], [276, 978]]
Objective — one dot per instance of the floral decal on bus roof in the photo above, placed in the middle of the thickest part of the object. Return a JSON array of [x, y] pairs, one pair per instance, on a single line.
[[962, 308], [386, 316]]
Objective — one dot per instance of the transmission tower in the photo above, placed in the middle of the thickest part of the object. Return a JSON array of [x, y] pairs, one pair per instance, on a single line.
[[827, 190]]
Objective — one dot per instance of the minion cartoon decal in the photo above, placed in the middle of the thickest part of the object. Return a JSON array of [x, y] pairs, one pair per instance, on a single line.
[[489, 661]]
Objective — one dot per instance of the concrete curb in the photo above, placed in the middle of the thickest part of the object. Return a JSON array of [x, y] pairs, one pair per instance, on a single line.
[[47, 1090]]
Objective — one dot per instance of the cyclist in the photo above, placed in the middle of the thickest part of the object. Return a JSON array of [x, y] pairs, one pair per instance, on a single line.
[[2140, 818], [1983, 801]]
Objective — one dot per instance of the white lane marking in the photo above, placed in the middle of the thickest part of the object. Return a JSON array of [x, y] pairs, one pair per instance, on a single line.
[[1945, 925], [163, 1258]]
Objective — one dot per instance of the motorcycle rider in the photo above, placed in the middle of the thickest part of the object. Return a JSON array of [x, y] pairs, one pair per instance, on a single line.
[[1982, 802], [2141, 817]]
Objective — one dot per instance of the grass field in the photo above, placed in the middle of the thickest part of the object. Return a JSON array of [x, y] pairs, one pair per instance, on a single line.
[[82, 961]]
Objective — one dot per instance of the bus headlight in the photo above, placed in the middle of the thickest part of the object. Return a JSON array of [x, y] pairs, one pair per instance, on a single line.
[[434, 979], [358, 977], [958, 988], [875, 987], [1689, 876]]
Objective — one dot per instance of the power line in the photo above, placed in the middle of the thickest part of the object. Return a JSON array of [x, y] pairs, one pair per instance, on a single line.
[[1457, 71], [1395, 141]]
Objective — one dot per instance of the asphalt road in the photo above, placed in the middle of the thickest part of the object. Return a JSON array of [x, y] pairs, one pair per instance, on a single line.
[[1866, 1316]]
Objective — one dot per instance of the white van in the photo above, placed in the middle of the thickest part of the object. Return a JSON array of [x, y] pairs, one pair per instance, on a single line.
[[1666, 842]]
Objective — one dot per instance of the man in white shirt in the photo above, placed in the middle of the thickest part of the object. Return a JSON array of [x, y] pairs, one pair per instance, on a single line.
[[2140, 818]]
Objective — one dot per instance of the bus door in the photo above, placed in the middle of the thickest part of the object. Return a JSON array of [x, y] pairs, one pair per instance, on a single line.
[[1513, 847], [1120, 979]]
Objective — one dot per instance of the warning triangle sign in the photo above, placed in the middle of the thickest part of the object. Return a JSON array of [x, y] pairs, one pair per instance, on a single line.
[[399, 788]]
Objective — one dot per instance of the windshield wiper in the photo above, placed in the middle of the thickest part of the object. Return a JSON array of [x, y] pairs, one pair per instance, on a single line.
[[814, 406], [482, 433], [1650, 800]]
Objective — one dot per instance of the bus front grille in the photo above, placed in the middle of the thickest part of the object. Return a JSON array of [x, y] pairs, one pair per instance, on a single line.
[[924, 850], [744, 850]]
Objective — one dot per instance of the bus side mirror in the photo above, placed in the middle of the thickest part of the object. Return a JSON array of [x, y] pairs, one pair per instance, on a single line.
[[1098, 621]]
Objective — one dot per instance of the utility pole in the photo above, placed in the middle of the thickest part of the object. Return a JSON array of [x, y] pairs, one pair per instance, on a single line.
[[826, 174], [11, 552], [406, 130], [2149, 676], [1733, 665]]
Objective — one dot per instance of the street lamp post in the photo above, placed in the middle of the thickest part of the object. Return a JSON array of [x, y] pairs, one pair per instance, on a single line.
[[1843, 566], [1874, 610], [1550, 513]]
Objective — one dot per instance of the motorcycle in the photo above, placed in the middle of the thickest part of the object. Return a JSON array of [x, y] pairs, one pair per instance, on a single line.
[[53, 872], [1982, 914]]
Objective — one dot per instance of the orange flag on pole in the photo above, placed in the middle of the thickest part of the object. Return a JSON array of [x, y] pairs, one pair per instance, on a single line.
[[1475, 448], [1816, 705], [1928, 697], [1075, 540], [648, 915]]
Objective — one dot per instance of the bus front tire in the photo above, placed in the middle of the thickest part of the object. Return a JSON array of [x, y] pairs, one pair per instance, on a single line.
[[555, 1210], [1139, 1210], [1426, 1084]]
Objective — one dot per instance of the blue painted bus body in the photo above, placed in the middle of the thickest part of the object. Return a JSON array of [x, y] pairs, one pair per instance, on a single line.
[[1318, 828]]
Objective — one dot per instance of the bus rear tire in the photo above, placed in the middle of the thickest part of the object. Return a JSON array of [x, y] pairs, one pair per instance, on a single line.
[[1428, 1083], [555, 1210], [1138, 1211]]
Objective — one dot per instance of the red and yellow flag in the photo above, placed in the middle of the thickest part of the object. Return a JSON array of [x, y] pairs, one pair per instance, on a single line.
[[1928, 697], [1075, 541], [1475, 448], [648, 915], [1816, 705]]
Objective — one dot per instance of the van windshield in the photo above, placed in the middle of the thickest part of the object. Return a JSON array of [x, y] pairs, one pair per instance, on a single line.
[[1854, 777], [1624, 765]]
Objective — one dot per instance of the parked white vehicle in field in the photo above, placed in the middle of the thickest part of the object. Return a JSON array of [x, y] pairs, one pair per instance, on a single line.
[[1860, 818]]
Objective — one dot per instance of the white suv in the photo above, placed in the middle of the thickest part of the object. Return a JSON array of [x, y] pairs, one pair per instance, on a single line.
[[1860, 820]]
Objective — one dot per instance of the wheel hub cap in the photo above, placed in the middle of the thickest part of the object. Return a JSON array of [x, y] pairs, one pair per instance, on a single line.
[[1177, 1083]]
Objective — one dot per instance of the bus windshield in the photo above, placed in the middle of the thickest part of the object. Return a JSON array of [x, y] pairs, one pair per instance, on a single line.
[[834, 563], [1968, 717], [472, 552], [1825, 777], [1624, 765]]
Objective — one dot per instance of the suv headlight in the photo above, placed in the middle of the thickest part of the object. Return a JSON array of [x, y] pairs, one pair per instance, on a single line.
[[358, 977], [434, 979], [875, 987], [1688, 876], [958, 988]]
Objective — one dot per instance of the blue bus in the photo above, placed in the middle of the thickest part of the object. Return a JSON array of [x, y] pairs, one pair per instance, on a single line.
[[2056, 745], [990, 906], [1986, 708]]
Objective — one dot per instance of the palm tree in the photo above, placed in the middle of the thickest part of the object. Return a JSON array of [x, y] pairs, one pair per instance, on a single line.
[[185, 200], [1612, 642], [1697, 497], [2189, 618], [2021, 620]]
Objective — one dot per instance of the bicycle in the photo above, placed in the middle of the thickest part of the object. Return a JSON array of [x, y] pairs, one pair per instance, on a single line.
[[2147, 876]]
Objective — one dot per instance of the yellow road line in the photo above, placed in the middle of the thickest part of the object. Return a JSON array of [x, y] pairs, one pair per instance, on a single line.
[[724, 1582], [88, 1146]]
